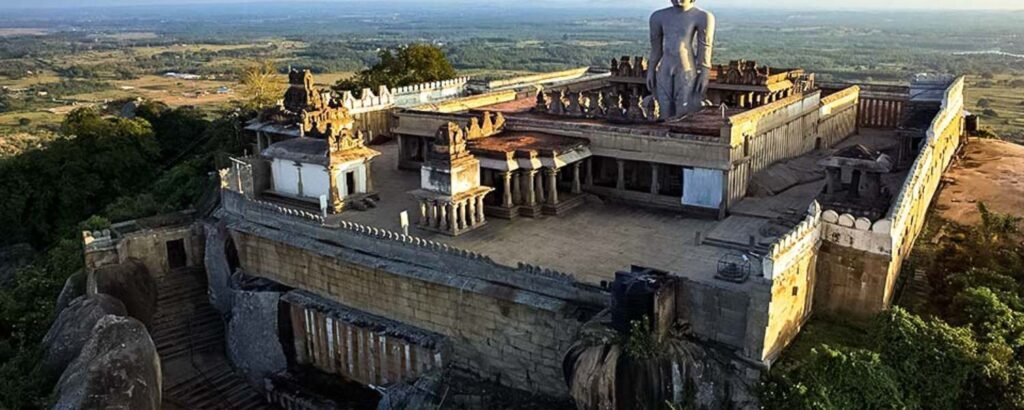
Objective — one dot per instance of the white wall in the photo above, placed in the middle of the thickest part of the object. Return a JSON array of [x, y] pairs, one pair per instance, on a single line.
[[702, 187], [315, 181], [285, 178]]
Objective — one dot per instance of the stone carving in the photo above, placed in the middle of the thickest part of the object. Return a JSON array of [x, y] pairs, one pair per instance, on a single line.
[[677, 74], [616, 108]]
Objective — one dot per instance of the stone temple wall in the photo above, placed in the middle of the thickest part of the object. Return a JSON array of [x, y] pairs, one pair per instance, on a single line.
[[492, 333], [508, 325], [861, 259]]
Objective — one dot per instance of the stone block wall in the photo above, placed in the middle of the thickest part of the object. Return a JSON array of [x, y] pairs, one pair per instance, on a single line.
[[838, 115], [763, 136], [150, 247], [760, 317], [495, 331]]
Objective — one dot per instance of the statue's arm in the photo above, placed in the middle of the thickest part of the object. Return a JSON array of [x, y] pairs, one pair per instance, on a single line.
[[705, 47], [706, 42], [657, 41]]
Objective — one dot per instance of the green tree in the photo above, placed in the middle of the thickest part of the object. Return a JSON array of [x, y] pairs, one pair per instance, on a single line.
[[837, 378], [412, 64], [933, 361], [261, 86]]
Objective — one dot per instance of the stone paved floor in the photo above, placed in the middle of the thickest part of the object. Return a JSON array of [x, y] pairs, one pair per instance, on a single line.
[[598, 239]]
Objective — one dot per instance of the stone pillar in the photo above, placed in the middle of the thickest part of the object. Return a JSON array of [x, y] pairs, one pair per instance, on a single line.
[[552, 186], [531, 193], [480, 217], [369, 177], [424, 221], [471, 203], [442, 219], [507, 192], [654, 179], [872, 182], [298, 171], [576, 189], [539, 186], [855, 182], [590, 172], [463, 223], [517, 194], [620, 179], [333, 193], [833, 179], [453, 216]]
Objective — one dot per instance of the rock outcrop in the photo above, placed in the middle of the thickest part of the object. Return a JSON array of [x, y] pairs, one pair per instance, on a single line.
[[74, 287], [130, 282], [118, 368], [73, 328], [252, 341]]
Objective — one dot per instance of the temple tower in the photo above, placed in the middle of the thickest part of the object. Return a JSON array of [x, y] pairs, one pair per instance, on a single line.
[[451, 199]]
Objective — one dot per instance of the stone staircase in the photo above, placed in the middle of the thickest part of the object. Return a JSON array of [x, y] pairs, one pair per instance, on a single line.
[[189, 335]]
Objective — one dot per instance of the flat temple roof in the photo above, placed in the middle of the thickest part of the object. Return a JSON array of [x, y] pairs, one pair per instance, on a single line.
[[597, 239]]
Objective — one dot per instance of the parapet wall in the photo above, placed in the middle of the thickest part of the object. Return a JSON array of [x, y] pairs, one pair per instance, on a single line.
[[427, 93], [763, 136], [150, 246], [838, 116]]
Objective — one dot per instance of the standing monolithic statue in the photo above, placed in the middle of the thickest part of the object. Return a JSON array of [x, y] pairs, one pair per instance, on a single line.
[[682, 38]]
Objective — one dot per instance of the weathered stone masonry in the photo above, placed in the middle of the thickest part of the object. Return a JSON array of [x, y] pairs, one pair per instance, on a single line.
[[511, 330], [499, 339]]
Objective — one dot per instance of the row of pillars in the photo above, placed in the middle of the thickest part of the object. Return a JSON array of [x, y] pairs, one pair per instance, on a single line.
[[750, 100], [452, 217], [620, 181], [528, 187]]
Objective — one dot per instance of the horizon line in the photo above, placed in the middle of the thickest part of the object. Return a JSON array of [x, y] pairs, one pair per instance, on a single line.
[[830, 8]]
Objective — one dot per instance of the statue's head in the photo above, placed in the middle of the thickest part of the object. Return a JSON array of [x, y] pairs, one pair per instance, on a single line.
[[683, 3]]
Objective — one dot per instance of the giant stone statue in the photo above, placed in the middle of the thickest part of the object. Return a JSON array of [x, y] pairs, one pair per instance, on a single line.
[[682, 38]]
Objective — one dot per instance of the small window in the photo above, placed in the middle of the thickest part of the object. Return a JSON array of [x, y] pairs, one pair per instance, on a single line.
[[796, 290]]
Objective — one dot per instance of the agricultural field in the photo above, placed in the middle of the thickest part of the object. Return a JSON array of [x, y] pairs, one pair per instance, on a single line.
[[48, 70], [999, 102]]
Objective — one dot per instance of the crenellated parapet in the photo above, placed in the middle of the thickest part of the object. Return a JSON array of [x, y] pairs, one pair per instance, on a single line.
[[428, 93], [790, 248], [368, 100]]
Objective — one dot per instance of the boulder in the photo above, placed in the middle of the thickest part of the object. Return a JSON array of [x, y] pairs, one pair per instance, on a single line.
[[252, 336], [130, 282], [218, 269], [73, 288], [72, 328], [117, 369], [423, 394]]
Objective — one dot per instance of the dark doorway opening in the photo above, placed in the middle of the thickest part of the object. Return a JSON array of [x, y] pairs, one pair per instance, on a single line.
[[350, 182], [231, 253], [176, 257]]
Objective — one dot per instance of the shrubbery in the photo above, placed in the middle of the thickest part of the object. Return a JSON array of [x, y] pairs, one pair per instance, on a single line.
[[962, 350], [105, 170]]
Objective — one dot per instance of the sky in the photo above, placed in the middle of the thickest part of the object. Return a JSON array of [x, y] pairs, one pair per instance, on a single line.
[[815, 4]]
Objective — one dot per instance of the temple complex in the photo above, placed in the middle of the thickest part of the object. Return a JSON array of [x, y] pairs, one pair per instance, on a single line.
[[553, 212]]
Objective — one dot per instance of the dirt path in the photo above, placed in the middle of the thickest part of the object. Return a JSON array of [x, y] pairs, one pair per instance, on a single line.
[[992, 172]]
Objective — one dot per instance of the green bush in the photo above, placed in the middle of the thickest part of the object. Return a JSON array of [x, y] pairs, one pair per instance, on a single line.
[[837, 378]]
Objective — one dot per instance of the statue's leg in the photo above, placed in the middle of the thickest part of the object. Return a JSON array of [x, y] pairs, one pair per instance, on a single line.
[[664, 93], [684, 85]]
